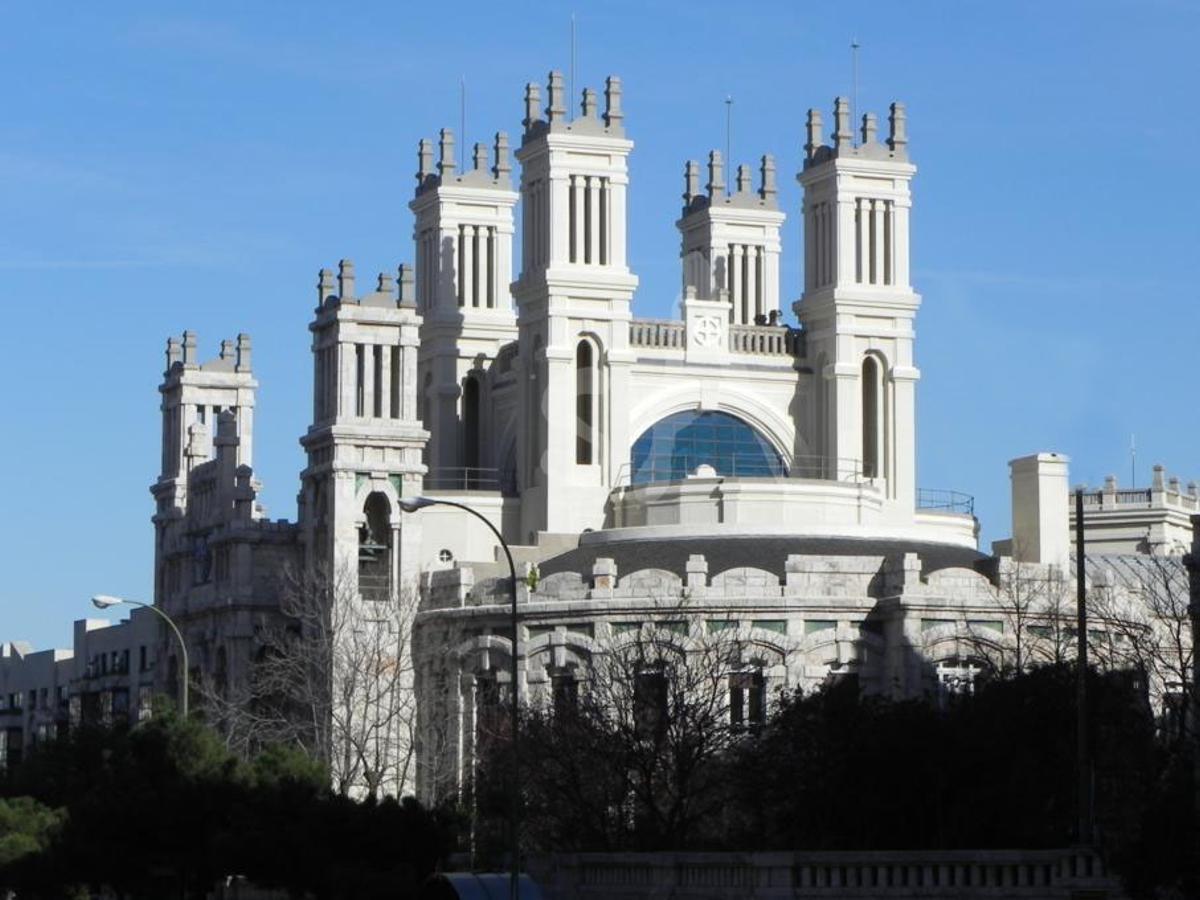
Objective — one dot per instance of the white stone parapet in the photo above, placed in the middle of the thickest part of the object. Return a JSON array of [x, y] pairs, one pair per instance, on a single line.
[[795, 506]]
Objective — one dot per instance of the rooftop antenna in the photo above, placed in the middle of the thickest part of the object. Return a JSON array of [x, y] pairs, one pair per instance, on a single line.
[[571, 86], [729, 132], [462, 121], [854, 45], [1132, 462]]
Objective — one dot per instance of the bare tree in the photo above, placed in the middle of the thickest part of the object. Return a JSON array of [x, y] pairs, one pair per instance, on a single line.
[[630, 755], [1036, 618], [335, 679], [1143, 609]]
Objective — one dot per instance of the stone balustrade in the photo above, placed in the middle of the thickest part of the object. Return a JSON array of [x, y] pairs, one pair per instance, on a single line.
[[1163, 492], [1040, 874], [751, 340], [764, 340], [656, 334]]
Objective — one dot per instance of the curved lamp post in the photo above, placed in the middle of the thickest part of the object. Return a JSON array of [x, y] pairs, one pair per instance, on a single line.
[[104, 601], [514, 812]]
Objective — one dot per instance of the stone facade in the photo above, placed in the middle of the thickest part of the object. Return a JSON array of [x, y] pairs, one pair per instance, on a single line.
[[107, 677]]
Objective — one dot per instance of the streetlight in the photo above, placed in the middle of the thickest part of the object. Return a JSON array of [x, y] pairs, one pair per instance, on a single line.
[[104, 601], [412, 505]]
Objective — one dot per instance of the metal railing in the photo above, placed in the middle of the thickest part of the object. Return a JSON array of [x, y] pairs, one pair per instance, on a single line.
[[816, 468], [468, 478], [939, 500]]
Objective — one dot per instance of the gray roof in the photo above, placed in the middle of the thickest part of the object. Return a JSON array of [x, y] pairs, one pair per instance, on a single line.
[[769, 553]]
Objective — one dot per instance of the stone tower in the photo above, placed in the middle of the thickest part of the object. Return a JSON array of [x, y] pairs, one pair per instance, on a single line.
[[194, 395], [463, 231], [858, 305], [365, 443], [573, 309], [730, 240]]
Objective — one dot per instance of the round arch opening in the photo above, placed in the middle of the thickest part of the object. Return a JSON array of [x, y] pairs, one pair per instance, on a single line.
[[677, 445]]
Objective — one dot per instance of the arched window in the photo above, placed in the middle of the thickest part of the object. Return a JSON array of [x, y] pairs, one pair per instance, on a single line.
[[673, 448], [747, 699], [375, 549], [470, 430], [872, 417], [585, 404]]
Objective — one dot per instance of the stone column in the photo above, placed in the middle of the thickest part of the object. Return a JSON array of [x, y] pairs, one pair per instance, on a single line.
[[737, 261], [862, 266], [900, 274], [877, 264], [385, 385], [753, 301], [466, 287], [843, 248], [577, 193], [595, 195]]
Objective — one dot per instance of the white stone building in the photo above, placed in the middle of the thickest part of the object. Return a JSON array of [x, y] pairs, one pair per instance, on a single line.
[[749, 465], [107, 677]]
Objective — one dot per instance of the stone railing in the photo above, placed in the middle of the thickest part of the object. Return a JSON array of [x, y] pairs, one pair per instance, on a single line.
[[656, 334], [1163, 492], [1040, 874], [763, 340], [751, 340]]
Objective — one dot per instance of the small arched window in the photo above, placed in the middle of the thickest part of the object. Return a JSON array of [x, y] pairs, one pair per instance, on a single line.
[[585, 404], [872, 417], [375, 549]]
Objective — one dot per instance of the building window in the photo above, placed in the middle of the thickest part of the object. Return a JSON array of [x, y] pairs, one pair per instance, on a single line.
[[375, 549], [650, 704], [490, 719], [360, 379], [872, 424], [747, 700], [957, 677], [674, 447], [377, 381], [564, 691], [221, 673], [585, 403], [394, 392], [470, 430]]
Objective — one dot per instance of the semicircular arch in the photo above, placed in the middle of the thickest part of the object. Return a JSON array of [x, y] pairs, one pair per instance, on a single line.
[[777, 429]]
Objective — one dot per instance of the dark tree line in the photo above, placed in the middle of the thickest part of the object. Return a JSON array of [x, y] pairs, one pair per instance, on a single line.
[[834, 770], [164, 810]]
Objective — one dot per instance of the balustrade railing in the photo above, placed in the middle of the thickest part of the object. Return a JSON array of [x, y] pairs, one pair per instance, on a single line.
[[764, 340], [753, 340], [656, 334]]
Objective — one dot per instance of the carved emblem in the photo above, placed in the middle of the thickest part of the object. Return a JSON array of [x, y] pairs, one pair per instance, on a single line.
[[707, 332]]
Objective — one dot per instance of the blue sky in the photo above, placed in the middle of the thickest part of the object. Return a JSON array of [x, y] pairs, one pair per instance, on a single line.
[[192, 167]]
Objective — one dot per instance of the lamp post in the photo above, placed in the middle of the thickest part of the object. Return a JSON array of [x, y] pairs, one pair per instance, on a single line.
[[104, 601], [514, 796]]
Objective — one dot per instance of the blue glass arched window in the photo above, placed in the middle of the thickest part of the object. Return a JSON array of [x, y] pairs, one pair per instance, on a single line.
[[674, 447]]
